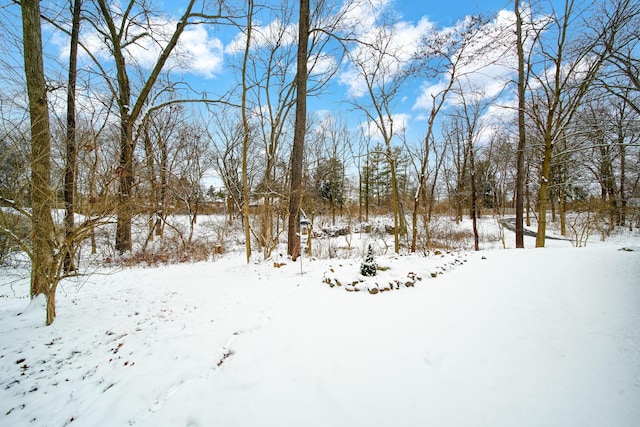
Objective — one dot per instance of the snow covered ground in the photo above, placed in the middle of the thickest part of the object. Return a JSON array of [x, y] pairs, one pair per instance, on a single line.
[[533, 337]]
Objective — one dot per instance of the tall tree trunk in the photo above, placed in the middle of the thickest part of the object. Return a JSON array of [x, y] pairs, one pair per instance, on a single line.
[[164, 188], [42, 257], [522, 137], [366, 190], [360, 204], [245, 138], [125, 185], [552, 202], [527, 196], [432, 190], [623, 198], [267, 207], [297, 152], [422, 182], [153, 185], [562, 202], [71, 146], [414, 214], [563, 211], [543, 195], [395, 199], [460, 185], [93, 199], [474, 196]]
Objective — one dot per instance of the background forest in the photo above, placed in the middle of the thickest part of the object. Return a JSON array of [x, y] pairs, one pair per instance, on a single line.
[[110, 145]]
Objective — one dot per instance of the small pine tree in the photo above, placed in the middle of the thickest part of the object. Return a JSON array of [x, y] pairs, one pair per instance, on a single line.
[[368, 267]]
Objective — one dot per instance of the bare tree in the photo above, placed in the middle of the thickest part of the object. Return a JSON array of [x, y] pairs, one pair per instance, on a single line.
[[378, 64], [567, 69], [457, 167], [472, 108], [448, 53], [226, 136], [271, 95], [115, 28], [622, 77], [297, 151], [331, 140]]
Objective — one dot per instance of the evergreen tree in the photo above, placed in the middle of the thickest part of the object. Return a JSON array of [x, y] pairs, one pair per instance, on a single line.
[[368, 267]]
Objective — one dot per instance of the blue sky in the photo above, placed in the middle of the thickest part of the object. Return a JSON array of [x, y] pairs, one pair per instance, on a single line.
[[209, 69], [447, 12], [211, 57]]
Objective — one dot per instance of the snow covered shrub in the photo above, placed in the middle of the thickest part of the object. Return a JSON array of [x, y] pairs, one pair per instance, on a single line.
[[337, 230], [443, 233], [170, 249], [368, 268]]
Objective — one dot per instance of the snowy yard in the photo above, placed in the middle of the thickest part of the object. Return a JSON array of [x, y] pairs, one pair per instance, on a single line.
[[527, 337]]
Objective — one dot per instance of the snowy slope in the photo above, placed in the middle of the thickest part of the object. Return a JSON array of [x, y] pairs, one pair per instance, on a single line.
[[509, 337]]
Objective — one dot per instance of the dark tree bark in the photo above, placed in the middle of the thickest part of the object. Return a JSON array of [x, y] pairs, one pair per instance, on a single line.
[[71, 146], [297, 152], [245, 137], [474, 196], [522, 137]]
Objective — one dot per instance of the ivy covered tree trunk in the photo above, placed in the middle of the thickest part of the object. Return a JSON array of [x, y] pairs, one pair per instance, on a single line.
[[42, 252]]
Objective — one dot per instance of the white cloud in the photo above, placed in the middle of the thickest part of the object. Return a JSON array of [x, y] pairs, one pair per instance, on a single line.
[[197, 51], [372, 129], [360, 16], [484, 67], [265, 35], [321, 64], [204, 54], [383, 54], [428, 92], [357, 86]]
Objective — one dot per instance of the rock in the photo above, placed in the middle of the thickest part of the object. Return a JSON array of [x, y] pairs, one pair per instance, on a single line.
[[384, 287]]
